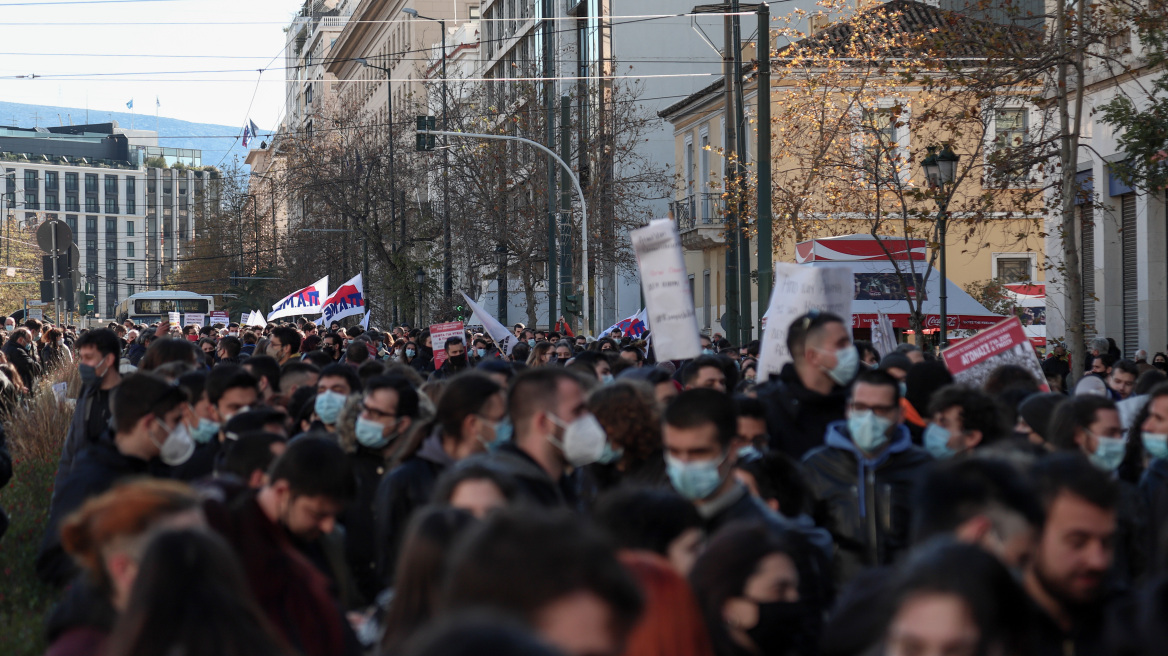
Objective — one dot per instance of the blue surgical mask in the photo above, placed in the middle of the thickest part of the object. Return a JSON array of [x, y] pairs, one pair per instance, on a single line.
[[847, 363], [694, 480], [606, 379], [481, 353], [204, 430], [328, 406], [531, 343], [707, 351], [937, 442], [369, 434], [1156, 445], [1108, 454], [749, 452], [410, 353], [610, 455], [503, 433], [869, 430]]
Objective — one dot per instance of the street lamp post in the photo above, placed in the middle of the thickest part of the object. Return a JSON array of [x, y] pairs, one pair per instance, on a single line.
[[392, 163], [420, 278], [447, 257], [501, 256], [940, 169]]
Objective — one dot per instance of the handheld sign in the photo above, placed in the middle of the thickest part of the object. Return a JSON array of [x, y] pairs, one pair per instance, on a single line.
[[667, 295], [973, 360], [174, 318], [192, 319], [220, 317], [798, 289], [439, 333]]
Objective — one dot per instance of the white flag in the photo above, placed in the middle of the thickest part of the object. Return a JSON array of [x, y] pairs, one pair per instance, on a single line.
[[364, 321], [301, 301], [498, 332], [883, 335]]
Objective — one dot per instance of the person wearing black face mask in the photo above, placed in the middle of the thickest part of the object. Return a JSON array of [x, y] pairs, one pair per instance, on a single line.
[[456, 359], [97, 358], [747, 585]]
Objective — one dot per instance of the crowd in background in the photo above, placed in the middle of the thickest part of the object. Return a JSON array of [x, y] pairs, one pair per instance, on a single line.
[[321, 491]]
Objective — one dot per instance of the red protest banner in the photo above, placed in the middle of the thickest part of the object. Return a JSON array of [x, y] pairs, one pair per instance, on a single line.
[[439, 333], [973, 360]]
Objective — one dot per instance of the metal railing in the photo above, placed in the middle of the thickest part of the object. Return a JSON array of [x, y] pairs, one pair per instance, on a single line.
[[698, 211]]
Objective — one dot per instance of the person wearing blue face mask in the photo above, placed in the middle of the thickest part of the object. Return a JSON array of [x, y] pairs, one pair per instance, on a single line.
[[1090, 425], [862, 477], [336, 383], [218, 395], [699, 431], [465, 423], [963, 418], [388, 410], [811, 391]]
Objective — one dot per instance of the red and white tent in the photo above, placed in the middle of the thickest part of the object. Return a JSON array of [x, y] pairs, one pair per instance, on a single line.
[[878, 288], [1031, 298]]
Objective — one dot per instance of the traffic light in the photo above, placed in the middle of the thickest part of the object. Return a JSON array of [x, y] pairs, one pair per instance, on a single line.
[[460, 313], [86, 303], [425, 142], [571, 304]]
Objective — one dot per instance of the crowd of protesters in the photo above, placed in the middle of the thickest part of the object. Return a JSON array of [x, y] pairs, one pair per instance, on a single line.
[[298, 490]]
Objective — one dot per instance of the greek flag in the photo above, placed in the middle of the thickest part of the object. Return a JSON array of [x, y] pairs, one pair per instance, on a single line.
[[130, 105]]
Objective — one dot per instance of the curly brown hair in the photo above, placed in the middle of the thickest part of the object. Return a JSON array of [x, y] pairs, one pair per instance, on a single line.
[[628, 412]]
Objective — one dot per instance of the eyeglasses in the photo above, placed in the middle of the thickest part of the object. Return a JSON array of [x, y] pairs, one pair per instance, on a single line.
[[809, 318]]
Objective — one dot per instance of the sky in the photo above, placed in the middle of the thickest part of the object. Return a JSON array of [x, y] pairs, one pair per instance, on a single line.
[[103, 53]]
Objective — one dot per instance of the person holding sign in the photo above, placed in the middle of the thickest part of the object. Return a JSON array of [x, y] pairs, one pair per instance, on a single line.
[[810, 392]]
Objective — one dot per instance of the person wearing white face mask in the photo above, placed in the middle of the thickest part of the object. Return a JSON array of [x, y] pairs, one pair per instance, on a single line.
[[147, 415], [553, 434], [863, 475], [469, 410], [810, 392]]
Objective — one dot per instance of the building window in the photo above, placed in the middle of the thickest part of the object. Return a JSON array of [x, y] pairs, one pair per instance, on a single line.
[[51, 180], [129, 249], [91, 224], [30, 179], [71, 221], [473, 12], [111, 204], [91, 183], [1010, 128], [111, 269], [129, 228], [71, 182], [1014, 267], [91, 204], [30, 201], [130, 269], [111, 185], [111, 225], [52, 202], [90, 268], [130, 288], [881, 145], [71, 203]]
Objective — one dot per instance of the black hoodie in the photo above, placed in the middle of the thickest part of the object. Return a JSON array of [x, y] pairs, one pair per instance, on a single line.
[[797, 417]]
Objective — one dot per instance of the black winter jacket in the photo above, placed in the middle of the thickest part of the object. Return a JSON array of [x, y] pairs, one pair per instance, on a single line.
[[405, 489], [96, 469], [369, 467], [797, 417], [25, 363], [865, 502]]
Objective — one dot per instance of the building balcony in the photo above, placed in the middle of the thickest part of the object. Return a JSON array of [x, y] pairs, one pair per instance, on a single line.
[[700, 221]]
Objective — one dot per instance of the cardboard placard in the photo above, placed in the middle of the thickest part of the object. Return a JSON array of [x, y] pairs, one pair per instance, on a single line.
[[174, 318], [194, 319], [973, 360], [668, 300], [799, 289], [220, 318]]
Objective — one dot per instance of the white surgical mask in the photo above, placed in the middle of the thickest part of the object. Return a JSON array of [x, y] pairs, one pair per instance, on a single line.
[[583, 442], [177, 447], [847, 363]]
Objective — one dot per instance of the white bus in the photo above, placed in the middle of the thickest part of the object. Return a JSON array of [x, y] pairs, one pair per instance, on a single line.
[[150, 307]]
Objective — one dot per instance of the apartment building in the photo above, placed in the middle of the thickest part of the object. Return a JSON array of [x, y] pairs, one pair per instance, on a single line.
[[132, 206]]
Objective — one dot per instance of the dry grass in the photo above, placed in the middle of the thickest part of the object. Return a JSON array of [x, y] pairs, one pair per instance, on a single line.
[[35, 432]]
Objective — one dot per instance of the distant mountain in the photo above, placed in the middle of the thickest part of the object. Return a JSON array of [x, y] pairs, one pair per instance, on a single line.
[[172, 133]]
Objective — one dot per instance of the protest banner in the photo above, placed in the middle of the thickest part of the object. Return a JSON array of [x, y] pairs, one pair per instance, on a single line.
[[301, 301], [498, 332], [220, 318], [973, 360], [347, 301], [439, 333], [174, 318], [36, 313], [668, 299], [799, 289], [194, 319]]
